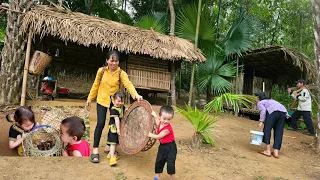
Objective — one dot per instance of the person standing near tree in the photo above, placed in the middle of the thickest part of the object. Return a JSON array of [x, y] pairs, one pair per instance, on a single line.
[[303, 96], [108, 81]]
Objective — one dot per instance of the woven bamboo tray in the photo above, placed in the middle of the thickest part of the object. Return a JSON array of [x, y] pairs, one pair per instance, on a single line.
[[135, 127]]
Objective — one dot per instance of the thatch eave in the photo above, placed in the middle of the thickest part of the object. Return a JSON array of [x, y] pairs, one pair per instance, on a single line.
[[89, 30]]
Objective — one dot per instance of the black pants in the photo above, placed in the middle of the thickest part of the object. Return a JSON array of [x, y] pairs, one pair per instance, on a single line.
[[306, 118], [166, 154], [274, 121], [101, 121]]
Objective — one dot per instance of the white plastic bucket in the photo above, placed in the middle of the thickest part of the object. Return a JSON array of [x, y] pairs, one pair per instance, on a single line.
[[256, 137]]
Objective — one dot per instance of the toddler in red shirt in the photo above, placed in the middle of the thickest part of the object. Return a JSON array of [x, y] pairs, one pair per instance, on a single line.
[[71, 131], [167, 150]]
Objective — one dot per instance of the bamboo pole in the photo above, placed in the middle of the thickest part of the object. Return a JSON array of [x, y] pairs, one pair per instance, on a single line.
[[196, 46], [25, 71]]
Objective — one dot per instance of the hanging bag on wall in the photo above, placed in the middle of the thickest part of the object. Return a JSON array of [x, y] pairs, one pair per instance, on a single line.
[[39, 61]]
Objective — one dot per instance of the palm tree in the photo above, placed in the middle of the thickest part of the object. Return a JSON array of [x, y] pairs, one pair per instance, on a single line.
[[202, 123], [240, 37], [173, 71], [201, 33]]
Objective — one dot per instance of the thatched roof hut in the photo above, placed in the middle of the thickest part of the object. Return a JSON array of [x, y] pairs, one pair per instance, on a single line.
[[89, 30], [271, 65], [79, 42], [274, 61]]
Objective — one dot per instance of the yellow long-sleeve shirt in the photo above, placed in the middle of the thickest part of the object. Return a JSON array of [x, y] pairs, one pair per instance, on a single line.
[[109, 86]]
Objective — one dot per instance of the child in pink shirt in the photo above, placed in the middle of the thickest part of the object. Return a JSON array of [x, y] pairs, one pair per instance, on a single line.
[[72, 129]]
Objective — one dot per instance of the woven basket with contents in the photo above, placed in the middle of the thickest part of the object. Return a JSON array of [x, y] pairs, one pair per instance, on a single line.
[[135, 127], [45, 139], [42, 141]]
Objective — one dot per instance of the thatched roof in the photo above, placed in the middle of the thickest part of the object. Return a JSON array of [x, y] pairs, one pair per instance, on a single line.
[[89, 30], [277, 61]]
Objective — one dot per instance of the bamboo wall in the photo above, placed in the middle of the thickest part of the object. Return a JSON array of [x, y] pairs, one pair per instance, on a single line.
[[148, 73]]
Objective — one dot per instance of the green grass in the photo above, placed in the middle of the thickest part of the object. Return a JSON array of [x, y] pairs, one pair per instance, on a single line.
[[121, 176], [259, 178], [279, 178]]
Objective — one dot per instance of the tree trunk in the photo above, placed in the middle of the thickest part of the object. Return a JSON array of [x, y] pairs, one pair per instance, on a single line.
[[196, 46], [172, 17], [196, 141], [316, 16], [88, 4], [300, 32], [218, 19], [12, 56], [173, 70]]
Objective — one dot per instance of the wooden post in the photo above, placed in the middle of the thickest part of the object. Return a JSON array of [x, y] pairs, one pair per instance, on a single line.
[[25, 71]]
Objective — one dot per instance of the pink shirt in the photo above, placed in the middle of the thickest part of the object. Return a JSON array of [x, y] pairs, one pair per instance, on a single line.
[[83, 147], [168, 138]]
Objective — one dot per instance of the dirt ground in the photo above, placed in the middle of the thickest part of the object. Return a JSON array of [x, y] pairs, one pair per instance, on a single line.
[[232, 158]]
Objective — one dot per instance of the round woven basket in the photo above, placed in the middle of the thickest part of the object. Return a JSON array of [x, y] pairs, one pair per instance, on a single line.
[[38, 62], [135, 127], [45, 141]]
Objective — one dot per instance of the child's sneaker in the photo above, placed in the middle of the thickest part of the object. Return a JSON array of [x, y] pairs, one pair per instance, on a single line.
[[118, 157], [113, 161]]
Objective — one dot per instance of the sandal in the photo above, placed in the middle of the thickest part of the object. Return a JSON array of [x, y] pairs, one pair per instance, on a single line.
[[93, 157]]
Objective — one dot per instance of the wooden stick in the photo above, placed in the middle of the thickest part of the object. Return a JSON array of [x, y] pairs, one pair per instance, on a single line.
[[25, 71], [1, 7]]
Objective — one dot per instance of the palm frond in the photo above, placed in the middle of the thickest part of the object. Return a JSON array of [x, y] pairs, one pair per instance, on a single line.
[[233, 101], [242, 34], [213, 74], [186, 25], [150, 21], [124, 17]]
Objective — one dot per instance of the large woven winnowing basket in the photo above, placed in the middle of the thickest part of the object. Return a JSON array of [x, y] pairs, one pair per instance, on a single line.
[[135, 127], [38, 62]]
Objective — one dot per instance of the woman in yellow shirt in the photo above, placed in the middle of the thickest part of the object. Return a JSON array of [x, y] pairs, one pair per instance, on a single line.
[[102, 89]]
